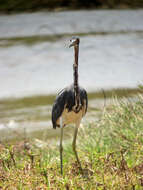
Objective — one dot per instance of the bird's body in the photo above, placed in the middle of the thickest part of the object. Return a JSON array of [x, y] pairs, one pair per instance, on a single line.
[[64, 107], [70, 105]]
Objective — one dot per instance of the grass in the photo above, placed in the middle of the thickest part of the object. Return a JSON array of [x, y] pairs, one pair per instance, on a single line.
[[110, 150]]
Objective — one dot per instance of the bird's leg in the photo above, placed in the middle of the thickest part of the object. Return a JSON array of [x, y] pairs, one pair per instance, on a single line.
[[61, 146], [74, 144]]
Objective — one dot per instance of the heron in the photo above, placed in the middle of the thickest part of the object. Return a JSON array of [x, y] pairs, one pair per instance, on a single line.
[[70, 105]]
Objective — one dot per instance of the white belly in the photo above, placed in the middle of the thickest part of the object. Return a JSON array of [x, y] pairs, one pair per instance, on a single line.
[[71, 117]]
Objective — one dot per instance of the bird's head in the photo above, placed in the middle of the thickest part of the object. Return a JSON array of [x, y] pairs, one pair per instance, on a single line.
[[74, 41]]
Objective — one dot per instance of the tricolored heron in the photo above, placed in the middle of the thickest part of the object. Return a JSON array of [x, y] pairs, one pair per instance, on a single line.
[[70, 105]]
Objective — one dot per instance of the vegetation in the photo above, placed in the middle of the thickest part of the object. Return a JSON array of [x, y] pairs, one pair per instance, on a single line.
[[32, 5], [111, 153]]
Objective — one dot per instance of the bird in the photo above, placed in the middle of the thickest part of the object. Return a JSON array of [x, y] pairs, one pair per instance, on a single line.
[[70, 105]]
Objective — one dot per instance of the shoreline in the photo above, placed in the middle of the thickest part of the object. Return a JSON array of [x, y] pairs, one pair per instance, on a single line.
[[120, 92], [30, 116]]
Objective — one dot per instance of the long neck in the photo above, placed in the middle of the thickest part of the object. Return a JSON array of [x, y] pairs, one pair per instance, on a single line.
[[75, 68]]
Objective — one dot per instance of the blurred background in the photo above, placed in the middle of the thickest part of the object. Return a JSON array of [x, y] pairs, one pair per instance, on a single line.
[[34, 5], [36, 63]]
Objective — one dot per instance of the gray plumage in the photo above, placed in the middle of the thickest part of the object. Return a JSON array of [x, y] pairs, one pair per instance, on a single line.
[[67, 97]]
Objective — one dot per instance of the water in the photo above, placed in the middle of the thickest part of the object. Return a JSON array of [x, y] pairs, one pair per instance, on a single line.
[[106, 61], [35, 58], [30, 24]]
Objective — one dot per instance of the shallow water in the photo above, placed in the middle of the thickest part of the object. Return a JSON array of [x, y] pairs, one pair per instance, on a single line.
[[109, 61], [106, 61], [44, 23], [35, 60]]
